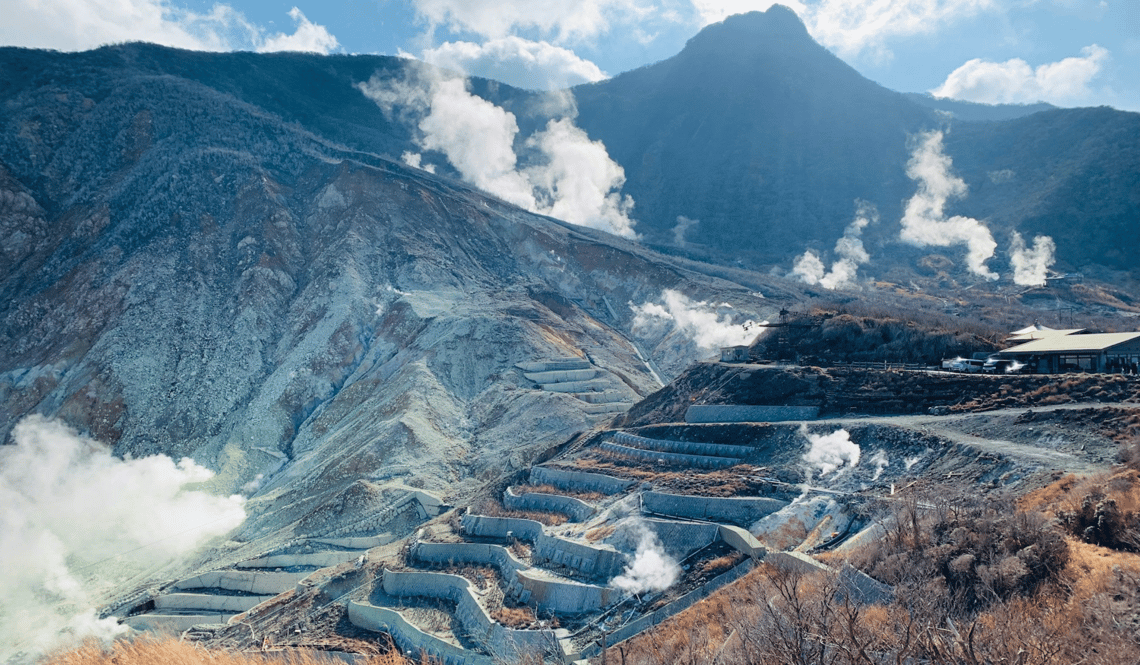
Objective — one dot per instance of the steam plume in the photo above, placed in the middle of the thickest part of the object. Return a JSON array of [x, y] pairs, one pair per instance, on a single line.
[[924, 221], [682, 228], [829, 452], [74, 520], [811, 269], [573, 177], [699, 321], [1030, 265], [651, 569]]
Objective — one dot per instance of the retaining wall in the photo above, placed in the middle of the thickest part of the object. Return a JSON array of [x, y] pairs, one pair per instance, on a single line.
[[604, 397], [242, 580], [652, 456], [683, 447], [742, 541], [736, 413], [557, 365], [174, 623], [602, 409], [796, 561], [502, 527], [561, 376], [208, 602], [358, 543], [684, 602], [575, 509], [498, 639], [318, 559], [590, 561], [593, 385], [410, 639], [737, 510], [491, 555], [680, 539], [562, 597], [579, 480]]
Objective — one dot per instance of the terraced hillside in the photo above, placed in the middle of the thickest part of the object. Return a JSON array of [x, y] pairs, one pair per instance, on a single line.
[[624, 528]]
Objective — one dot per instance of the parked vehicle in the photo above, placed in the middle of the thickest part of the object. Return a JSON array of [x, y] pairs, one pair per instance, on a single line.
[[968, 365]]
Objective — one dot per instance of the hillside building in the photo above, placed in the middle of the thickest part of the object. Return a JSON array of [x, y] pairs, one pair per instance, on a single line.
[[1059, 351]]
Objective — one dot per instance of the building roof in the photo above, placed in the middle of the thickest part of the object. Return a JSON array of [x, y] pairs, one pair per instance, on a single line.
[[1037, 331], [1092, 343]]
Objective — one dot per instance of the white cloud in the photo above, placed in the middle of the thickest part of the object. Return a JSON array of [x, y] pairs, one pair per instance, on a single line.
[[851, 27], [309, 37], [1015, 81], [76, 25], [560, 21], [924, 222], [519, 62]]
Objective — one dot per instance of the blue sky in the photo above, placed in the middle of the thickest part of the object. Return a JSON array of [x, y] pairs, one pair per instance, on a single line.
[[1067, 52]]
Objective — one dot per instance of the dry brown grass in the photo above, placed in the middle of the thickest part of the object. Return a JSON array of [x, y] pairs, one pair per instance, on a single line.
[[551, 489], [171, 651], [734, 481], [515, 617], [600, 532], [1102, 509], [721, 563]]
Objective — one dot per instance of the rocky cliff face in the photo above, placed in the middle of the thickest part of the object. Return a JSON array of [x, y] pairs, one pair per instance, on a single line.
[[186, 273]]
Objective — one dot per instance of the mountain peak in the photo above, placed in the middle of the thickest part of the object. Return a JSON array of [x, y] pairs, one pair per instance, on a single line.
[[778, 23]]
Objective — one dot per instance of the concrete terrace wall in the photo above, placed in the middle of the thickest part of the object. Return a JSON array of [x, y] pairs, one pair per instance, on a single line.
[[578, 510], [742, 541], [559, 365], [502, 527], [737, 510], [562, 597], [680, 539], [357, 543], [590, 561], [593, 385], [683, 447], [557, 596], [695, 461], [174, 623], [684, 602], [239, 580], [578, 480], [561, 376], [208, 602], [410, 639], [318, 559], [499, 640], [735, 413]]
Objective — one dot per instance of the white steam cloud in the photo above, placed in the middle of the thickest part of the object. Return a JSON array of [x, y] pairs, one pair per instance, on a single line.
[[699, 321], [1031, 264], [810, 268], [881, 461], [573, 178], [682, 229], [75, 520], [924, 221], [829, 452], [651, 569]]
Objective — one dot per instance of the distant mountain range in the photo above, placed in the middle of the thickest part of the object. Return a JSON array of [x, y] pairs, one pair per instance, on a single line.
[[223, 255]]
